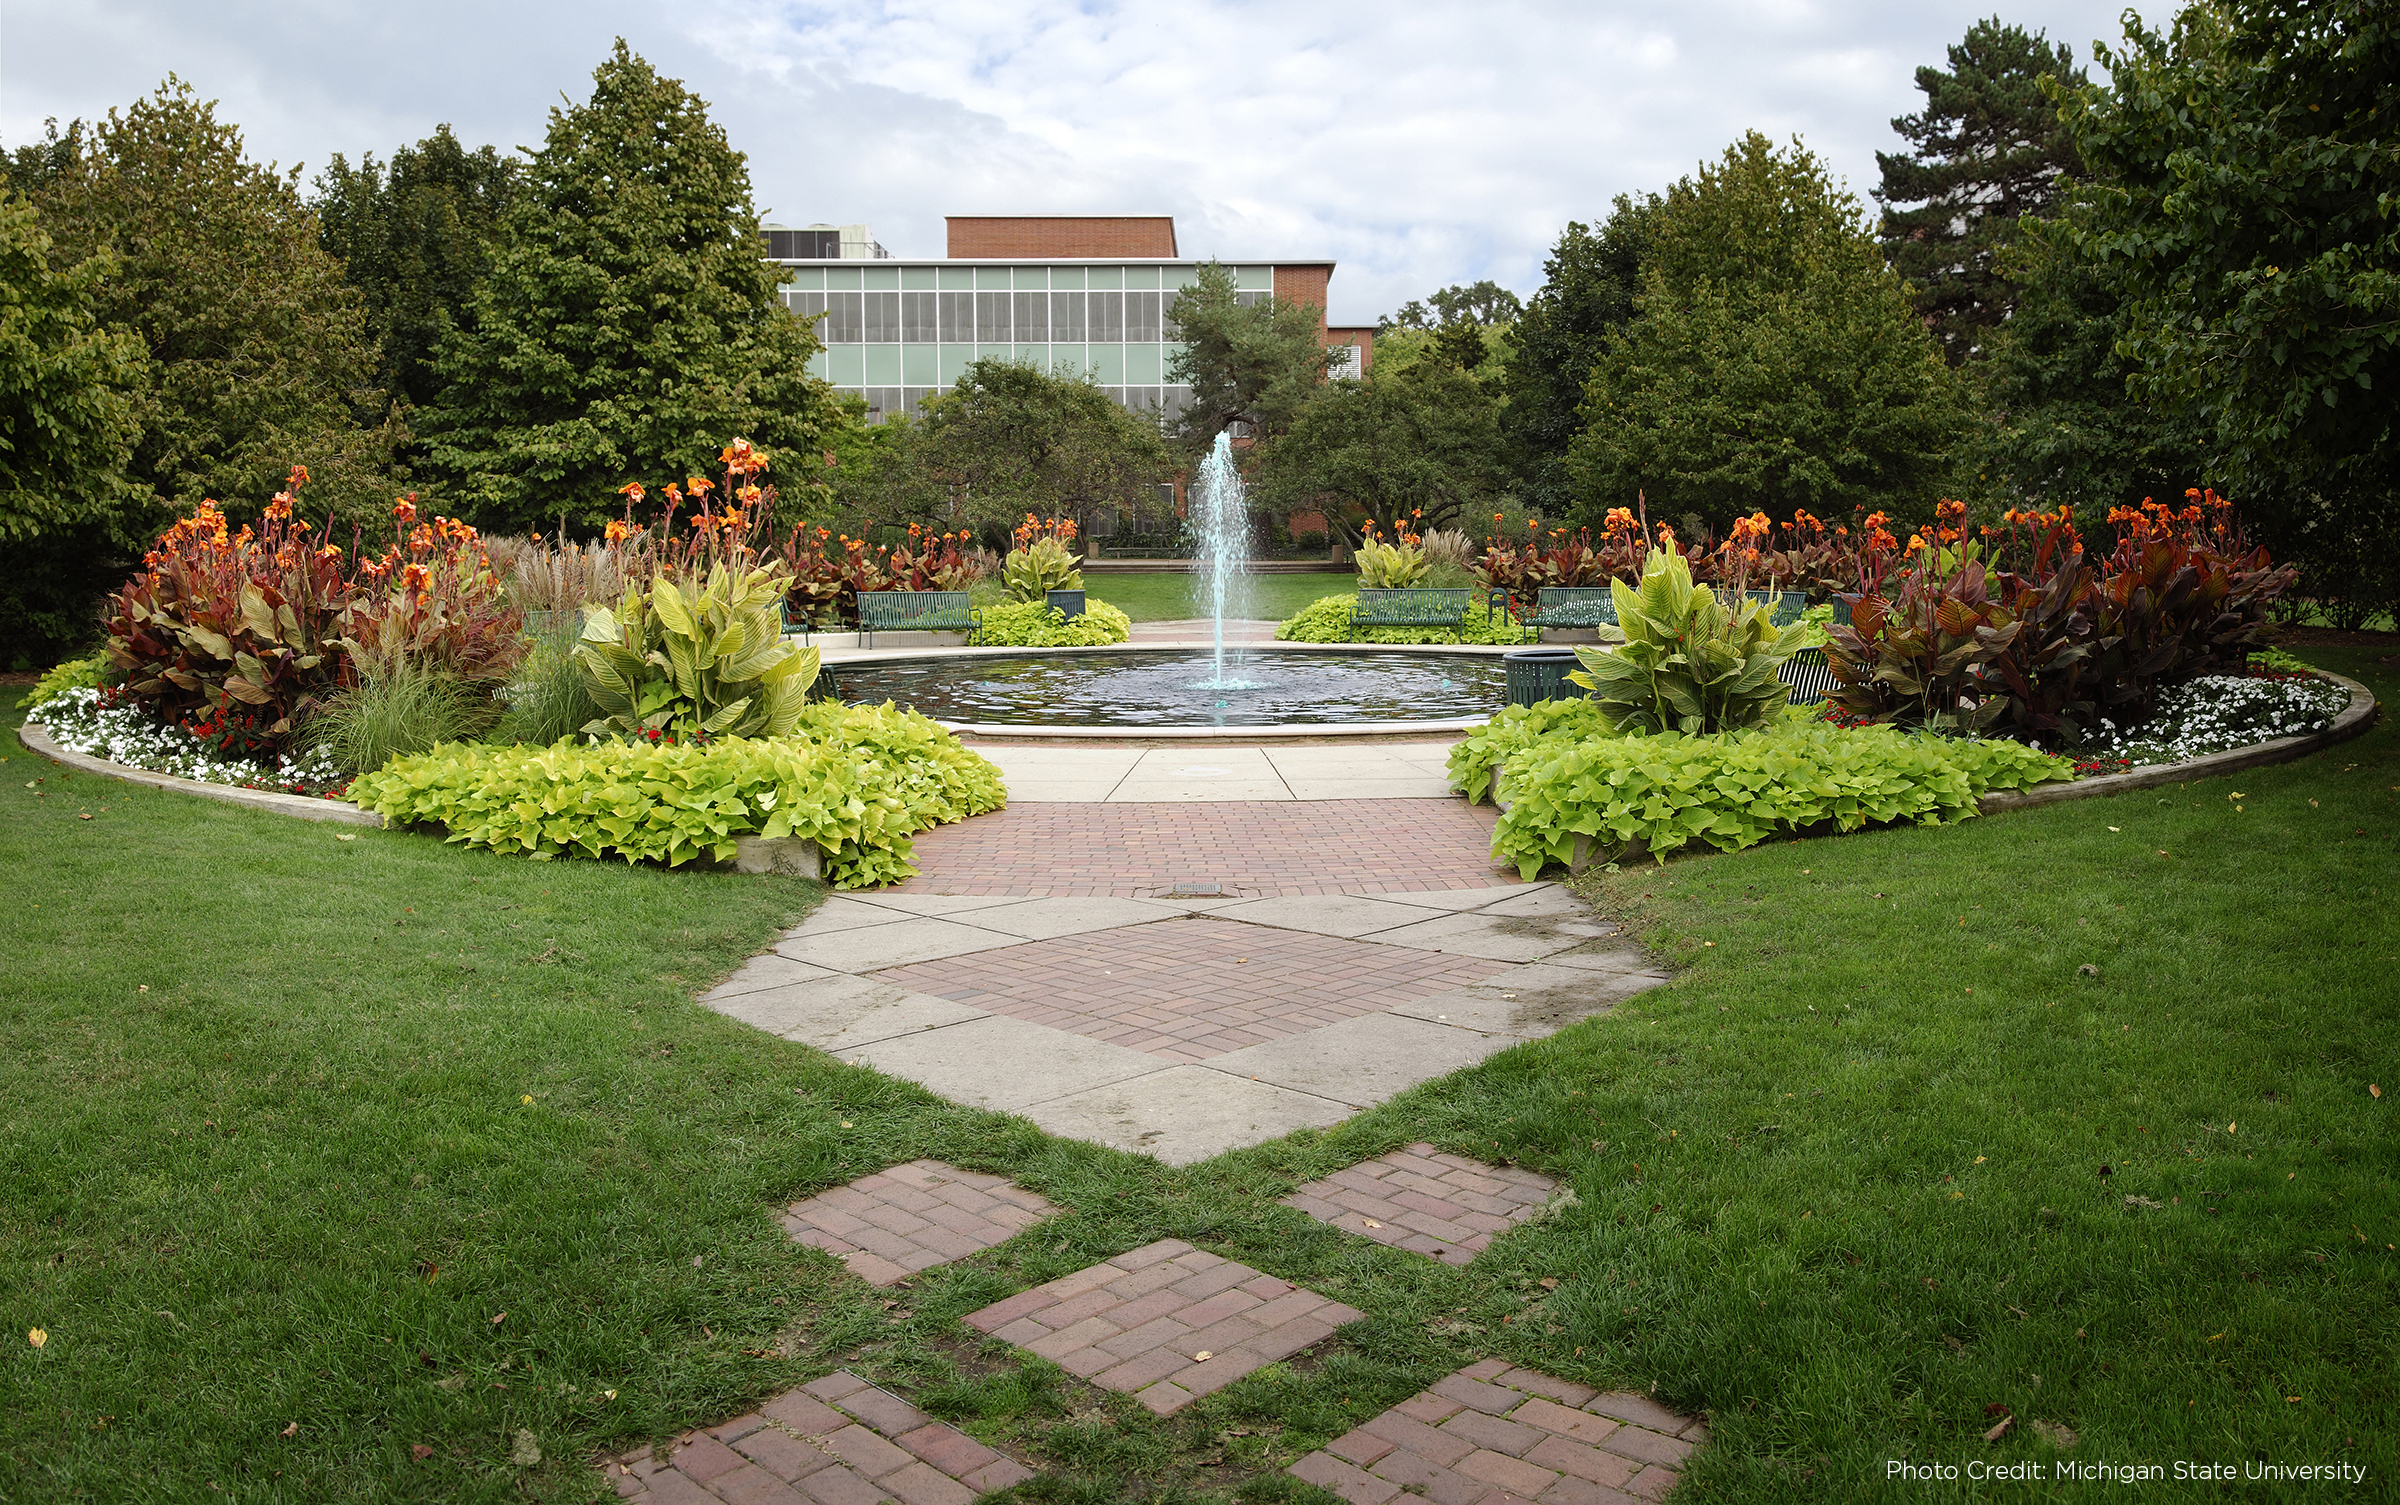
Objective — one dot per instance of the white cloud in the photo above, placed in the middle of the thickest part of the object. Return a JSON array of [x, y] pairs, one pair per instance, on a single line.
[[1419, 144]]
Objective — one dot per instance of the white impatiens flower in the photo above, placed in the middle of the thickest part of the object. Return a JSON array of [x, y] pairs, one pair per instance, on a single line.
[[127, 734], [2218, 713]]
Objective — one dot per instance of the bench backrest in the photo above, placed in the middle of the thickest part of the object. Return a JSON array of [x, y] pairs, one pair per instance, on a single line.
[[1413, 605], [1599, 596], [894, 611]]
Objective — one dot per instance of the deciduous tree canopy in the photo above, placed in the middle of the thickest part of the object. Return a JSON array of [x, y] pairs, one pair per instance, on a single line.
[[1256, 363], [1587, 294], [1423, 440]]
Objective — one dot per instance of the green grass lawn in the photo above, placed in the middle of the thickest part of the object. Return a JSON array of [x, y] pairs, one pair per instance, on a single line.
[[267, 1158], [1169, 598]]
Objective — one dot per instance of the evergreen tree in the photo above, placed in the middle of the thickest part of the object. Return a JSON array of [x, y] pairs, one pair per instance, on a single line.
[[69, 519], [1775, 360], [628, 327], [1989, 150], [415, 239], [1587, 296], [258, 353], [1255, 364]]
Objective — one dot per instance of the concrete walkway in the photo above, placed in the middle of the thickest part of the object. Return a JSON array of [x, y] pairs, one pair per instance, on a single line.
[[1188, 1053]]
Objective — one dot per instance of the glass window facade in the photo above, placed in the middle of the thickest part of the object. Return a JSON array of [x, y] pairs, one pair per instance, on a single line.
[[897, 333]]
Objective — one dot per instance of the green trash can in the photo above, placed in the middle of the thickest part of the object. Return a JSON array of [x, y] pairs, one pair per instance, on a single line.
[[1068, 604], [1539, 674]]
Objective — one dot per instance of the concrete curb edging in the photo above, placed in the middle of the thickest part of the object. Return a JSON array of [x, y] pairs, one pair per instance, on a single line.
[[2352, 721], [37, 740]]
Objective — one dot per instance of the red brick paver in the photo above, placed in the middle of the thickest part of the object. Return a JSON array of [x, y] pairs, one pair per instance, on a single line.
[[833, 1441], [1422, 1199], [1186, 990], [1253, 847], [1490, 1432], [888, 1226], [1166, 1322]]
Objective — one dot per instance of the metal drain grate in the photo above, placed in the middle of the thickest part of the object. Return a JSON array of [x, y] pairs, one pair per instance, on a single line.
[[1197, 891]]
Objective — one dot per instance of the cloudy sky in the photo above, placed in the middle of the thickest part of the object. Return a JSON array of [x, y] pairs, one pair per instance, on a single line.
[[1420, 144]]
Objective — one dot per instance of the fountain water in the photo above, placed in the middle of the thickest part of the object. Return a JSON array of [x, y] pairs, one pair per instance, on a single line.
[[1221, 523]]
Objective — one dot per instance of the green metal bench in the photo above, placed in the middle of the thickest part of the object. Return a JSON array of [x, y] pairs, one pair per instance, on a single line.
[[1572, 606], [917, 611], [1809, 675], [1415, 607]]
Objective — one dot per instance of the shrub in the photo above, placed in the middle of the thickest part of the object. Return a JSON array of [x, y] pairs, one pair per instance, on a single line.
[[857, 780], [75, 674], [692, 658], [1031, 624], [1327, 620], [1041, 562], [1682, 660], [1656, 794]]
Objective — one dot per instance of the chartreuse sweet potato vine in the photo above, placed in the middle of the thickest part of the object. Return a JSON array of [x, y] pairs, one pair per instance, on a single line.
[[1564, 777], [858, 780]]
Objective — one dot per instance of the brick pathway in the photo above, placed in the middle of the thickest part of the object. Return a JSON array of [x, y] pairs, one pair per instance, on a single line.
[[1493, 1433], [1166, 1323], [1254, 848], [888, 1226], [1424, 1200], [834, 1441], [1186, 990]]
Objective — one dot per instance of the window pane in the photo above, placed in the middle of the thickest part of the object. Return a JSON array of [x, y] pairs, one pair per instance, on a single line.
[[991, 318], [1066, 316], [916, 318], [1170, 329], [843, 318], [1141, 318], [1033, 316], [807, 307], [883, 318], [958, 316], [1108, 318], [1251, 300]]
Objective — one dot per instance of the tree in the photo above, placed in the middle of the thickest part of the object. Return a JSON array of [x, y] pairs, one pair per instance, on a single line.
[[68, 516], [258, 352], [2243, 167], [1425, 440], [1775, 360], [627, 327], [1254, 364], [1989, 151], [1487, 302], [1009, 439], [415, 239], [1458, 344], [1586, 298], [2058, 426]]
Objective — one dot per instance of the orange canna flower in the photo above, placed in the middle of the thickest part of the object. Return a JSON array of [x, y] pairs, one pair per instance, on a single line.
[[405, 509], [617, 531], [415, 577]]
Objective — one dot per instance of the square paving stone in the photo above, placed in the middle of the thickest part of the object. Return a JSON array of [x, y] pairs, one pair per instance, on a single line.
[[1165, 1323], [1426, 1200], [888, 1226], [834, 1441], [1189, 989], [1491, 1432]]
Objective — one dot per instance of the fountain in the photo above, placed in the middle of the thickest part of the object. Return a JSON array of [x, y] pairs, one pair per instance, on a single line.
[[1221, 522]]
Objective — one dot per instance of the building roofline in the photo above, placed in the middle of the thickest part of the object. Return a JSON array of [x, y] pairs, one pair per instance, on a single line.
[[1003, 261]]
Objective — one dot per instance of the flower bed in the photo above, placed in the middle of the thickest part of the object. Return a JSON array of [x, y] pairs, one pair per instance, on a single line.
[[1327, 620], [1569, 784], [1034, 624], [85, 721], [857, 780], [2216, 713]]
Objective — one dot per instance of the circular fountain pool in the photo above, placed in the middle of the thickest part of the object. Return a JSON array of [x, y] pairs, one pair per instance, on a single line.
[[1166, 689]]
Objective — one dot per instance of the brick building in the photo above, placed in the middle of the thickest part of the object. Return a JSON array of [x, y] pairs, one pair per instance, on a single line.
[[1078, 293]]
